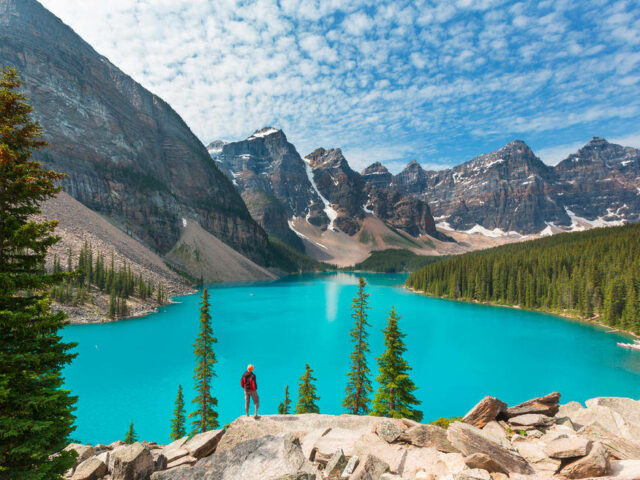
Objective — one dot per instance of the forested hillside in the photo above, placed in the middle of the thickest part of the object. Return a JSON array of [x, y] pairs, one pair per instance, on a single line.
[[596, 272]]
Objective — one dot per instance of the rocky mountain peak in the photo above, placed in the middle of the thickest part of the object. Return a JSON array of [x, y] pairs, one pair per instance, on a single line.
[[375, 168], [267, 132], [216, 147], [332, 158]]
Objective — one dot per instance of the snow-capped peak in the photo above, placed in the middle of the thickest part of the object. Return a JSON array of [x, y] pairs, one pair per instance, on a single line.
[[263, 132]]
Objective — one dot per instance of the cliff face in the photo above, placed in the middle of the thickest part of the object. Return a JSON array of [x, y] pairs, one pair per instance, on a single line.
[[128, 154], [279, 186], [601, 180], [513, 191]]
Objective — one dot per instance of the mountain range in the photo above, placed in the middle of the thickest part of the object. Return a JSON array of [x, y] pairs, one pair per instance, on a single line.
[[131, 159]]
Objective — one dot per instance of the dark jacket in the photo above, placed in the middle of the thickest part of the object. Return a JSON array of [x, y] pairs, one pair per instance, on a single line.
[[249, 382]]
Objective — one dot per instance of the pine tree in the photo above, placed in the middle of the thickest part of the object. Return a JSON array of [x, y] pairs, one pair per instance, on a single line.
[[285, 405], [359, 385], [394, 397], [178, 429], [36, 416], [205, 416], [307, 393], [131, 435]]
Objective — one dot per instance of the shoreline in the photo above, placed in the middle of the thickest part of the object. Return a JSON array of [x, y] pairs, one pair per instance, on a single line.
[[564, 315]]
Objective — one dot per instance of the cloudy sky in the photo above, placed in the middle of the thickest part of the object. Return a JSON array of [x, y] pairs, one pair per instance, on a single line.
[[438, 82]]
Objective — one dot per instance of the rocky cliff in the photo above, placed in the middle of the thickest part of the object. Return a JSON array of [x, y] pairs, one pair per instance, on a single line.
[[287, 193], [512, 190], [128, 154], [534, 440]]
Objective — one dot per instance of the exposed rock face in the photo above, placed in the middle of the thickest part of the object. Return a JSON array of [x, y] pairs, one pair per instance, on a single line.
[[313, 446], [128, 154], [272, 179], [512, 190], [278, 186], [547, 405], [484, 412], [600, 180], [377, 175]]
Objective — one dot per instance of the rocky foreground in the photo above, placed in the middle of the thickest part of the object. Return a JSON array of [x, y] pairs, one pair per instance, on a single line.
[[536, 439]]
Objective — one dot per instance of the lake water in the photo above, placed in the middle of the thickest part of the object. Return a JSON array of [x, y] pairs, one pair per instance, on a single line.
[[459, 352]]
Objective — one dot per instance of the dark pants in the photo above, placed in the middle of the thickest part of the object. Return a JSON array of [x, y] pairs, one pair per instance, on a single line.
[[251, 394]]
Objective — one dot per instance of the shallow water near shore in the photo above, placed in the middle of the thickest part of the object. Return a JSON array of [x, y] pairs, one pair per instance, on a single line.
[[130, 370]]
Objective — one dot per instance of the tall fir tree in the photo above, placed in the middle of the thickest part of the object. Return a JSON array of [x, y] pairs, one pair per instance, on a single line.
[[205, 416], [358, 388], [394, 396], [36, 413], [178, 429], [285, 405], [131, 436], [307, 393]]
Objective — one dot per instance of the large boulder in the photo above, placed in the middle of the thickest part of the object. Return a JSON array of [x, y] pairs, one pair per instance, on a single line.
[[472, 474], [388, 431], [336, 465], [531, 420], [485, 411], [91, 469], [345, 439], [595, 464], [568, 447], [132, 462], [484, 462], [83, 451], [547, 405], [567, 408], [428, 436], [618, 447], [608, 418], [431, 461], [175, 450], [369, 468], [627, 408], [203, 444], [469, 439], [393, 454], [268, 457], [534, 454]]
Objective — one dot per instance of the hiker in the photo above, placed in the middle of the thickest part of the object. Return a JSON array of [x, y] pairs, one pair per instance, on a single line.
[[250, 385]]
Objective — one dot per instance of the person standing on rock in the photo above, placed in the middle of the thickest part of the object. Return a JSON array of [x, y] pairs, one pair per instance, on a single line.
[[250, 385]]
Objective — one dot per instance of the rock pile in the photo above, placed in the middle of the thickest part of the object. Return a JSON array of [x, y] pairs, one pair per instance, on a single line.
[[533, 440]]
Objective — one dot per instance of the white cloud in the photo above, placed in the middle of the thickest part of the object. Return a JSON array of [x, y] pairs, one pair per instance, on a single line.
[[387, 81]]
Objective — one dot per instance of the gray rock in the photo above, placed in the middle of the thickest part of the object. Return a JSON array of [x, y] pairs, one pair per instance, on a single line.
[[484, 462], [569, 447], [132, 462], [388, 431], [270, 456], [618, 447], [159, 460], [469, 439], [298, 476], [369, 468], [595, 464], [204, 444], [547, 405], [472, 474], [184, 472], [485, 411], [534, 454], [83, 451], [336, 465], [91, 469], [186, 460], [627, 408], [428, 436], [531, 420], [351, 466], [567, 408]]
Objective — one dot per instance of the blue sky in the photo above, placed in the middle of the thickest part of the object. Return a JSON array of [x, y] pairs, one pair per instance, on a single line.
[[388, 81]]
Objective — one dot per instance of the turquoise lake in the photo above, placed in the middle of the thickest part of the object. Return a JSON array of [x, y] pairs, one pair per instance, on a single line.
[[459, 352]]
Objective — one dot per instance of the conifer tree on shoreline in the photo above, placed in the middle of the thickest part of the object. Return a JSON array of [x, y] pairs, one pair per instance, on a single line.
[[205, 416], [307, 393], [178, 429], [131, 435], [285, 405], [358, 388], [394, 396], [36, 413]]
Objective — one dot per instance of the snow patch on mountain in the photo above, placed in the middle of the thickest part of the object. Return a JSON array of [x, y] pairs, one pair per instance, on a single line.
[[328, 209], [263, 133]]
